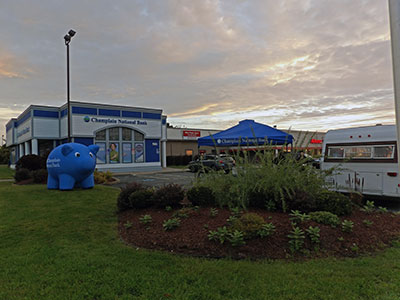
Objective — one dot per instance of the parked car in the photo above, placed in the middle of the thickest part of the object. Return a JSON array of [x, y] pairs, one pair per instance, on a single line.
[[211, 162]]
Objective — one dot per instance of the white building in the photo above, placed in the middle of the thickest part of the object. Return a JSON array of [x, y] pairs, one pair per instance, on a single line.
[[137, 135]]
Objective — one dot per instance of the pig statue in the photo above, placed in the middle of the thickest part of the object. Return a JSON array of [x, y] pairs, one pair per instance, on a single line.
[[71, 165]]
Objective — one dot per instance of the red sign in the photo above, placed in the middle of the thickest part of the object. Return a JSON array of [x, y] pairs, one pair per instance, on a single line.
[[191, 133], [314, 141]]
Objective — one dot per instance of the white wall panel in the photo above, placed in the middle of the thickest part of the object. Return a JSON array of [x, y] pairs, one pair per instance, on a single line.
[[46, 128]]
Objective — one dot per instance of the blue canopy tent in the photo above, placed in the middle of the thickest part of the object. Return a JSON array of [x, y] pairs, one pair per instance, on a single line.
[[247, 133]]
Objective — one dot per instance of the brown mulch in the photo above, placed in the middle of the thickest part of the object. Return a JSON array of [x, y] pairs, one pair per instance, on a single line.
[[191, 236]]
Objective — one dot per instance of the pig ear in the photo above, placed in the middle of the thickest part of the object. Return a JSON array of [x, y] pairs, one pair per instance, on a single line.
[[94, 149], [66, 149]]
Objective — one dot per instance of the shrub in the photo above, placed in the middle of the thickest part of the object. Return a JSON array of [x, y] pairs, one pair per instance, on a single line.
[[369, 207], [347, 226], [98, 177], [325, 217], [123, 202], [22, 174], [296, 239], [334, 202], [236, 238], [220, 235], [213, 212], [313, 233], [39, 176], [262, 199], [169, 195], [301, 200], [249, 224], [31, 162], [298, 217], [171, 224], [145, 219], [201, 196], [266, 230], [141, 199]]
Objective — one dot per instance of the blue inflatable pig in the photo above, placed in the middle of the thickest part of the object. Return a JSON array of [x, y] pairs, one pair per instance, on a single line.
[[71, 165]]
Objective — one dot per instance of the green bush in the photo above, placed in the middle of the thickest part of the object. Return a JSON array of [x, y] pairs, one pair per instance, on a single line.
[[249, 224], [22, 174], [334, 202], [261, 199], [169, 195], [123, 202], [325, 217], [171, 224], [31, 162], [39, 176], [141, 199], [201, 196]]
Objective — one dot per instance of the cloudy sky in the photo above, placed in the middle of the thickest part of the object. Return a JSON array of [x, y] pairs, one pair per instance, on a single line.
[[305, 64]]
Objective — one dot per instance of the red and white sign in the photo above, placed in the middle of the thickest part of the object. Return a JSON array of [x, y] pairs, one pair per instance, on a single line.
[[315, 141], [191, 134]]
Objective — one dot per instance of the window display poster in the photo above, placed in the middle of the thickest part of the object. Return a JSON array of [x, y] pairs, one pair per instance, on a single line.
[[114, 153], [139, 152], [101, 154], [126, 152]]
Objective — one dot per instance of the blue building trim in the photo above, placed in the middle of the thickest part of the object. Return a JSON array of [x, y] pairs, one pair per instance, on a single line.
[[9, 126], [63, 113], [151, 116], [109, 112], [45, 114], [23, 119], [164, 121], [131, 114], [84, 141], [84, 110]]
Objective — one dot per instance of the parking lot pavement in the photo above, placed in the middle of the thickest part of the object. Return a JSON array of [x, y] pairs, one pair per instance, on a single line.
[[181, 177]]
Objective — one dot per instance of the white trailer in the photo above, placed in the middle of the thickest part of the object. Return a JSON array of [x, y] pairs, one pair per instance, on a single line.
[[364, 160]]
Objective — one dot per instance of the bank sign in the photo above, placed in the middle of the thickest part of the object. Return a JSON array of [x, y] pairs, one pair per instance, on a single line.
[[107, 121]]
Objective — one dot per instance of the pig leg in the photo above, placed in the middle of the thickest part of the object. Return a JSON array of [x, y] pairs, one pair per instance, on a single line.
[[88, 183], [67, 182], [52, 183]]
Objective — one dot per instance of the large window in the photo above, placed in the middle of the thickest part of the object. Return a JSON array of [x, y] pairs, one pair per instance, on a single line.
[[120, 145], [360, 152]]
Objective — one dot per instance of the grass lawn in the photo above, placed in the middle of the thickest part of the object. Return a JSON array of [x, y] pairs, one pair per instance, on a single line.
[[64, 245], [6, 172]]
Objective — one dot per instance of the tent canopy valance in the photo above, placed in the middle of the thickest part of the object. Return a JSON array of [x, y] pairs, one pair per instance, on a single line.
[[247, 132]]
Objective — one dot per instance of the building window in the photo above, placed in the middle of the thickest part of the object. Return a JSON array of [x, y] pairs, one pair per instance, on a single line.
[[189, 152], [101, 135], [113, 134], [139, 136], [120, 145], [126, 134]]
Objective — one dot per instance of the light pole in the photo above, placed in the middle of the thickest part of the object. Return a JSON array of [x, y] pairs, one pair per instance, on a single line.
[[67, 39]]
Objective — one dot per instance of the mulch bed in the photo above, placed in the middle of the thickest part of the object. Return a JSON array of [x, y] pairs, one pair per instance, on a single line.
[[191, 236]]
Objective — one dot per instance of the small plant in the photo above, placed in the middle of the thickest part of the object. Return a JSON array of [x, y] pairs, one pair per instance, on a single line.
[[182, 213], [296, 239], [369, 207], [145, 219], [347, 226], [297, 216], [368, 223], [313, 233], [236, 212], [340, 239], [231, 219], [221, 234], [205, 226], [325, 217], [213, 212], [236, 238], [201, 196], [128, 225], [354, 248], [168, 208], [171, 224], [195, 208], [382, 209], [266, 230]]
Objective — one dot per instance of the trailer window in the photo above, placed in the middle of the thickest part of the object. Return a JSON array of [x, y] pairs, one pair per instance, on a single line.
[[335, 152], [358, 152], [383, 151]]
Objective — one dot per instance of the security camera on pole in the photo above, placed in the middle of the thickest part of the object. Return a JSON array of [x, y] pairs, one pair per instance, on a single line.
[[67, 39]]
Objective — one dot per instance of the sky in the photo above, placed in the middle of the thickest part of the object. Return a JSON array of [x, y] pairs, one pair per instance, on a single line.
[[303, 64]]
